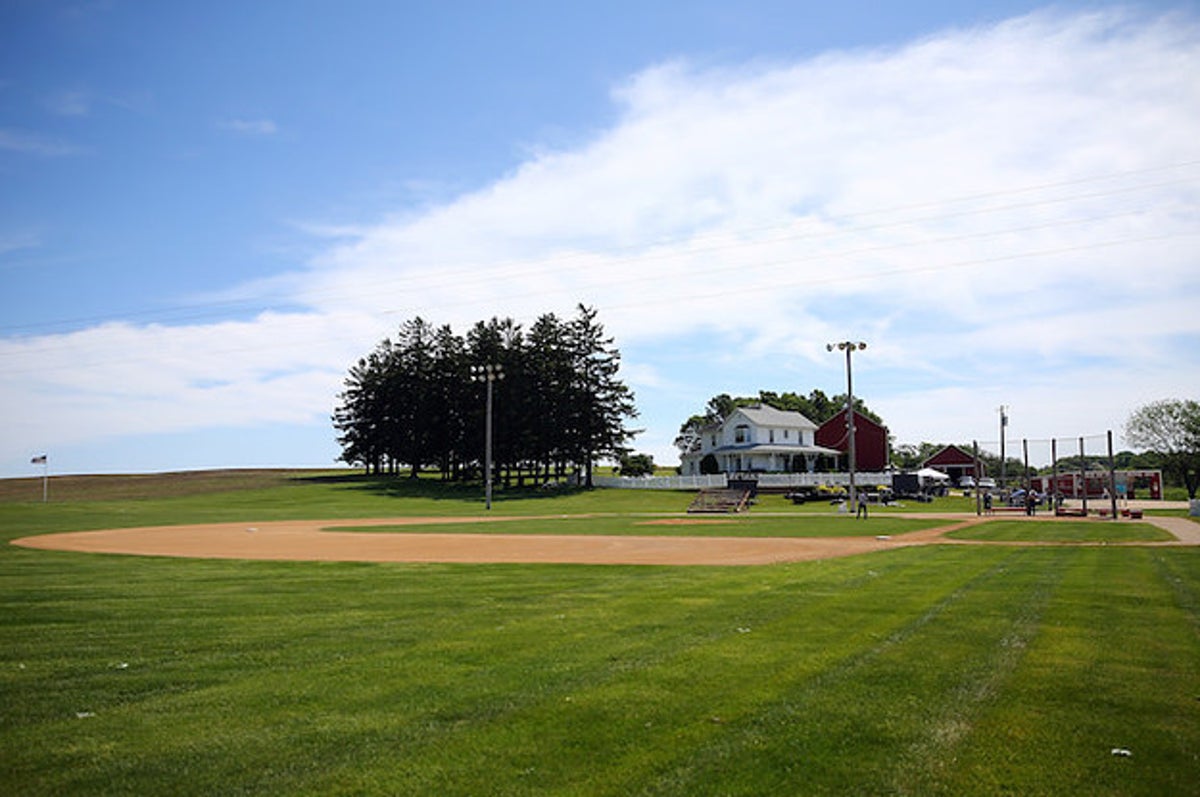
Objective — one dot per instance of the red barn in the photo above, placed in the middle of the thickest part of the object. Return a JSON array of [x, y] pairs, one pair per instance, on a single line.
[[954, 462], [870, 440]]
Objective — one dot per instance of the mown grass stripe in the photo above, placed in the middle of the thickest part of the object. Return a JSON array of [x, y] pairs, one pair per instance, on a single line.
[[979, 681], [1180, 571], [1112, 640], [848, 723]]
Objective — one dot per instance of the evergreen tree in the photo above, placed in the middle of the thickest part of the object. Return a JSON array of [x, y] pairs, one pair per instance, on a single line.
[[411, 396], [601, 401], [450, 397], [412, 401], [358, 417], [548, 362]]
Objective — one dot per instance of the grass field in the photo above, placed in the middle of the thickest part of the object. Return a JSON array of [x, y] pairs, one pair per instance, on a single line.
[[1061, 531], [935, 670], [647, 525]]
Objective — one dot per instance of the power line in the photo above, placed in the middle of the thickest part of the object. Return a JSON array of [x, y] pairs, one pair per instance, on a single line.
[[717, 242], [722, 292]]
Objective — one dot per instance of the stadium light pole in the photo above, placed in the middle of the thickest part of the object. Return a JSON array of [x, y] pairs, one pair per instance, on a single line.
[[1003, 428], [489, 374], [849, 347]]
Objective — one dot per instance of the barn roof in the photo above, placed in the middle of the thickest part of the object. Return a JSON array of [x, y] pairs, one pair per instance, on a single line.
[[950, 455], [860, 420]]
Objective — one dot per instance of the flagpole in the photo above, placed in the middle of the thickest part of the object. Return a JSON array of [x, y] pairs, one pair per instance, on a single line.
[[44, 461]]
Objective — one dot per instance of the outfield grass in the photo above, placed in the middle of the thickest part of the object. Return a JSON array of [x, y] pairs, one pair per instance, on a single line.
[[655, 525], [952, 670], [1062, 531]]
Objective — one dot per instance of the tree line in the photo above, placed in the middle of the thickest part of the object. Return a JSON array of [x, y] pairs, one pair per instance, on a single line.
[[416, 401], [1170, 428]]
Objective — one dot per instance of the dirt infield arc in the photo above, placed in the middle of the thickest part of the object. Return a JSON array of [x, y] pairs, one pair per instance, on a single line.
[[310, 540]]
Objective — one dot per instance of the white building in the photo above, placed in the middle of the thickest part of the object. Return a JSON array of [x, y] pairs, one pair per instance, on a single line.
[[758, 439]]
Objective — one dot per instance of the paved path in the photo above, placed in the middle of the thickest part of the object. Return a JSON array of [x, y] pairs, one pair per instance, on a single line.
[[1187, 531]]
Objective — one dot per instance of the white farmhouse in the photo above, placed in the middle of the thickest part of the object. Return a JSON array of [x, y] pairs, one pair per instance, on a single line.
[[758, 439]]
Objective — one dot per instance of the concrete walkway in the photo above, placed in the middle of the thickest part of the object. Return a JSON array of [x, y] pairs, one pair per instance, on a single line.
[[1185, 529]]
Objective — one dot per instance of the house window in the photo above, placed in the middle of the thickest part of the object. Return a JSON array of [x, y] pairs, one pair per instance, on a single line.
[[771, 435], [785, 434], [714, 441], [741, 434]]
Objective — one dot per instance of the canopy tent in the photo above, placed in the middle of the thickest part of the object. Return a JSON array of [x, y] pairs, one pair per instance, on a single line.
[[935, 475]]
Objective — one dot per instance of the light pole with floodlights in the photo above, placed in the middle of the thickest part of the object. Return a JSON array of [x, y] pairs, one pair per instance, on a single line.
[[487, 373], [849, 347], [1003, 464]]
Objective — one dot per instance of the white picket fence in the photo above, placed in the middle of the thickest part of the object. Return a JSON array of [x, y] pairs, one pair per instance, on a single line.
[[765, 481], [662, 482]]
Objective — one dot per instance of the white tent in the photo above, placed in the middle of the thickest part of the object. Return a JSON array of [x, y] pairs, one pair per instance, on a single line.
[[932, 475]]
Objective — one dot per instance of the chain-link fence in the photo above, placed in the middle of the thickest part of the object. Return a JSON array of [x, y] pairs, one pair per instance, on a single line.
[[1070, 475]]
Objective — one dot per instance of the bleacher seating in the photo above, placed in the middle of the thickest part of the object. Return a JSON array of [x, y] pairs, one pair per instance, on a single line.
[[720, 501]]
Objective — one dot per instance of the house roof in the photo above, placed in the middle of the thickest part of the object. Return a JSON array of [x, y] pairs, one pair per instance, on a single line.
[[764, 415], [773, 448]]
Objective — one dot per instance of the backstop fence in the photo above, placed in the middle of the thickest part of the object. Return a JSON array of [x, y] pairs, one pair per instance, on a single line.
[[1071, 471]]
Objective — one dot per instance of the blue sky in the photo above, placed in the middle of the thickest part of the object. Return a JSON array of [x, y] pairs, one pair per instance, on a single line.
[[209, 211]]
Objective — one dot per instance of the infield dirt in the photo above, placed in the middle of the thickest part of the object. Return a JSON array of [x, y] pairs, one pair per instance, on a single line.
[[310, 540]]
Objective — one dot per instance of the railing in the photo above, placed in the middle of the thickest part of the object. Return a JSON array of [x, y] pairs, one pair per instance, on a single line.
[[777, 480], [765, 481], [662, 482]]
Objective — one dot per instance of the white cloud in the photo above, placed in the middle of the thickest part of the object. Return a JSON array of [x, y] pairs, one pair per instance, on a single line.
[[1008, 214], [846, 174], [119, 379], [249, 127], [18, 240], [35, 144], [69, 103]]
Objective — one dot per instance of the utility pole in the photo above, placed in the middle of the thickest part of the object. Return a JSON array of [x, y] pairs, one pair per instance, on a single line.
[[849, 347]]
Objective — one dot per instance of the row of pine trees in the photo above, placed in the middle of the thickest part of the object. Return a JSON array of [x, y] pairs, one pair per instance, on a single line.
[[416, 402]]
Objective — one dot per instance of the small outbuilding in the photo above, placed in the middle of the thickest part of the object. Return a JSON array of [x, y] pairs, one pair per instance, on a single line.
[[954, 462]]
